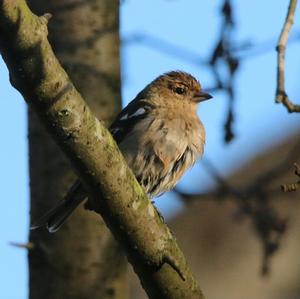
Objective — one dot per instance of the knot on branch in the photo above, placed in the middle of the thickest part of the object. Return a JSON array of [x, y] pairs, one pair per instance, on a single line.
[[280, 48], [280, 96]]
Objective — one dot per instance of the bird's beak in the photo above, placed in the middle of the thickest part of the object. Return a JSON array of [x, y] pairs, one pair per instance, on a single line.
[[201, 96]]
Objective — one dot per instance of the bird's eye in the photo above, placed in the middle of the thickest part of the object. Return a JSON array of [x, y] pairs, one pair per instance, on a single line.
[[179, 90]]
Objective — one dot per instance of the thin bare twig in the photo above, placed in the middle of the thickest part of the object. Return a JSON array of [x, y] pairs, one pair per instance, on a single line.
[[281, 95], [28, 245]]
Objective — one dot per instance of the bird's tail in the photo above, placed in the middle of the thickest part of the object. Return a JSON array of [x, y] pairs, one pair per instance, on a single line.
[[55, 218]]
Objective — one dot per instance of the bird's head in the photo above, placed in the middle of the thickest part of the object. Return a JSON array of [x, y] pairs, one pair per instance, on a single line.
[[177, 86]]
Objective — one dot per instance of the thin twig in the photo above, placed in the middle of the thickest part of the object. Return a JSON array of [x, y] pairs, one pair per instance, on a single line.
[[281, 95], [28, 245]]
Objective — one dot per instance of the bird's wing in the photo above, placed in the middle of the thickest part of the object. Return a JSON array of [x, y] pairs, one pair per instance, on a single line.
[[128, 118]]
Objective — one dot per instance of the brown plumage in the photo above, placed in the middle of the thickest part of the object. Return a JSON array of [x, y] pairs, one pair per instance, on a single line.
[[159, 135]]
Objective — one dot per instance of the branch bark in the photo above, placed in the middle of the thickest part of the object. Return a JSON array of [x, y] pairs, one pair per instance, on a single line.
[[281, 95], [36, 73]]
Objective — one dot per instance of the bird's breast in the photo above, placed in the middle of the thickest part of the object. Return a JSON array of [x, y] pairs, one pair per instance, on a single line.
[[160, 150]]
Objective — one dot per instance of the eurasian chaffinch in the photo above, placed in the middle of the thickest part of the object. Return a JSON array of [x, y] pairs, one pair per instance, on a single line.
[[159, 135]]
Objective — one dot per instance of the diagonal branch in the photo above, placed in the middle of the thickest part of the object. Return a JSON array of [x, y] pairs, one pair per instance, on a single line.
[[116, 195], [281, 95]]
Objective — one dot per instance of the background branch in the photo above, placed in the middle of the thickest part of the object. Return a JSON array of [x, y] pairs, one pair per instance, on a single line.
[[281, 94]]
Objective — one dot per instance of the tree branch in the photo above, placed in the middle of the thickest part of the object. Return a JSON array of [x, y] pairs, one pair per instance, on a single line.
[[281, 95], [115, 193]]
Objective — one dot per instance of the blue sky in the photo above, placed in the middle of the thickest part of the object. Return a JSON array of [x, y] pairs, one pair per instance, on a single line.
[[194, 26]]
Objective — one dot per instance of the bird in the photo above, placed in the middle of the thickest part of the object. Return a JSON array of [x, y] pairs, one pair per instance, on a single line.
[[158, 133]]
